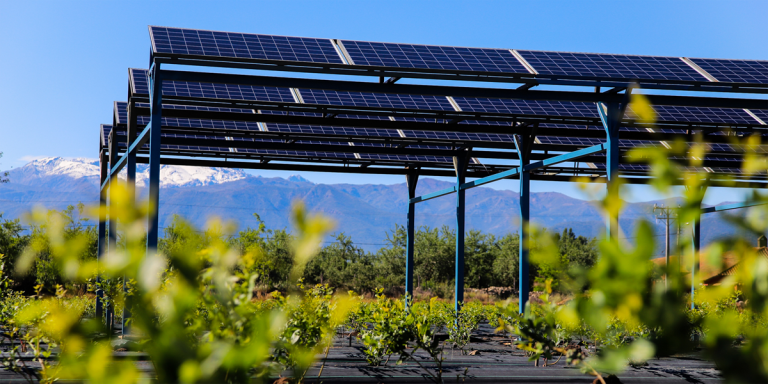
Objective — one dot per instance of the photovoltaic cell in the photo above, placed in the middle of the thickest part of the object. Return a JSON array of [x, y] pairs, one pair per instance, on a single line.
[[377, 100], [433, 57], [242, 45], [406, 158], [735, 71], [627, 67], [528, 107]]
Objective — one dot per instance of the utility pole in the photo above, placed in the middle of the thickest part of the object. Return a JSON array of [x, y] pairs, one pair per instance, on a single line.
[[666, 214]]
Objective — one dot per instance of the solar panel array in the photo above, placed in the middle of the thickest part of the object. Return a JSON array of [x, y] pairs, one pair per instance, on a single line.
[[357, 143], [242, 45]]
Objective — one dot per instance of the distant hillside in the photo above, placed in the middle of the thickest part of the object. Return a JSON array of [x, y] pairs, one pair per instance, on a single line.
[[364, 212]]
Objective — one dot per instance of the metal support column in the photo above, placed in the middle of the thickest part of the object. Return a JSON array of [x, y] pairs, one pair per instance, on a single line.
[[131, 191], [104, 168], [460, 165], [696, 258], [611, 115], [524, 144], [112, 219], [155, 90], [411, 180]]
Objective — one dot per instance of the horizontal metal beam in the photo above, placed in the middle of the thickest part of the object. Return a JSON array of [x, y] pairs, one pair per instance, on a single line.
[[437, 90], [575, 155], [727, 207], [432, 195]]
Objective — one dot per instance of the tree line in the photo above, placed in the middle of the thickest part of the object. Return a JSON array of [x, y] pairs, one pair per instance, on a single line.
[[489, 260]]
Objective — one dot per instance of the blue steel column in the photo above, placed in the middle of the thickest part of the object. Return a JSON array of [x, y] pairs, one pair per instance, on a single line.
[[112, 223], [611, 118], [154, 157], [460, 163], [104, 167], [695, 247], [525, 204], [411, 181], [131, 190]]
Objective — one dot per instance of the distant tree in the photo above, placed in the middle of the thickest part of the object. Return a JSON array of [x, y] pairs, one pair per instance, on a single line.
[[4, 175]]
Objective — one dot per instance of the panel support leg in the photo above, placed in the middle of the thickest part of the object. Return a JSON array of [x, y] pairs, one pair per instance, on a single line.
[[154, 158], [411, 180], [131, 190], [460, 165], [611, 115], [696, 246], [696, 258], [524, 144], [104, 167]]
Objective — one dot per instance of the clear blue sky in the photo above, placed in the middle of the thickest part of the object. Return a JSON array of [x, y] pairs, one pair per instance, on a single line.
[[64, 62]]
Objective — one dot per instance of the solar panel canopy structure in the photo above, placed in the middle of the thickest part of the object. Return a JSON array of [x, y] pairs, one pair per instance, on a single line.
[[378, 123], [477, 115]]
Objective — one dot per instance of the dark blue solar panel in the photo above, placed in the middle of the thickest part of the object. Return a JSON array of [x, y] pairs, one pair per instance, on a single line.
[[406, 158], [121, 112], [700, 114], [330, 130], [105, 129], [139, 81], [200, 123], [307, 154], [227, 91], [528, 107], [735, 71], [466, 136], [761, 114], [212, 91], [433, 57], [378, 100], [242, 45], [562, 140], [611, 66]]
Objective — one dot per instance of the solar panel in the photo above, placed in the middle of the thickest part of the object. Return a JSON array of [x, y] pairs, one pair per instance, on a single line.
[[735, 71], [139, 79], [465, 136], [121, 112], [701, 114], [227, 91], [562, 140], [528, 107], [406, 158], [432, 57], [378, 100], [762, 114], [629, 67], [179, 41], [327, 129], [211, 90], [105, 129]]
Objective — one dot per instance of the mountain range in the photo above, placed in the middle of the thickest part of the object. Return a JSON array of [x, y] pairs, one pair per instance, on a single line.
[[364, 212]]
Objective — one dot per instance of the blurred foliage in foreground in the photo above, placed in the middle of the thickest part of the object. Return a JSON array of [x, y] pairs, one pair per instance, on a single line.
[[195, 314]]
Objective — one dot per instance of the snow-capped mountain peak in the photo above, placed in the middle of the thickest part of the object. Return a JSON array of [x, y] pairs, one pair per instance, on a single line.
[[88, 169]]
